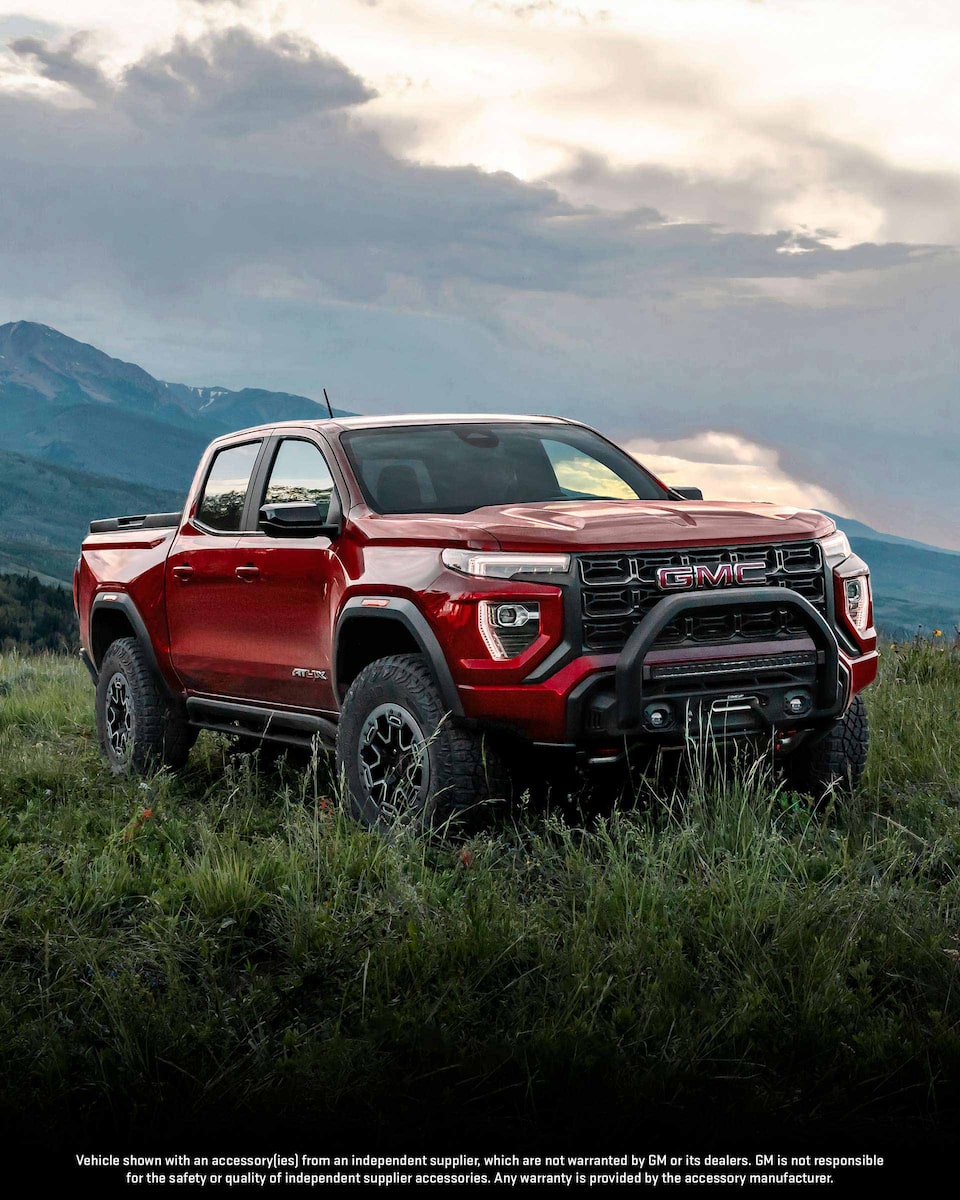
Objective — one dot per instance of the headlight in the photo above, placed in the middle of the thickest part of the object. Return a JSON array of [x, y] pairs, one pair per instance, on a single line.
[[498, 565], [836, 547], [508, 627], [856, 599]]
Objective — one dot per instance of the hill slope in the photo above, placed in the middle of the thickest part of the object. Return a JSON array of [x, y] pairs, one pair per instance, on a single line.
[[913, 584], [857, 529], [45, 511]]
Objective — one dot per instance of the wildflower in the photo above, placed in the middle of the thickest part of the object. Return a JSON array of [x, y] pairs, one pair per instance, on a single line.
[[938, 633], [466, 857], [137, 823]]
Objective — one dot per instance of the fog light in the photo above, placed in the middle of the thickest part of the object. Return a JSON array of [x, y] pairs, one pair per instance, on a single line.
[[509, 627], [657, 716], [797, 703], [513, 616]]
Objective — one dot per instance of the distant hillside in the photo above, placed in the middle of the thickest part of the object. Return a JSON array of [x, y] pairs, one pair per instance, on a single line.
[[913, 584], [69, 403], [912, 587], [134, 448], [35, 616], [84, 435], [45, 511], [857, 529]]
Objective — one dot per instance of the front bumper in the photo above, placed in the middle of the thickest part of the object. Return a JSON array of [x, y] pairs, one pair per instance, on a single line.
[[728, 689], [669, 695]]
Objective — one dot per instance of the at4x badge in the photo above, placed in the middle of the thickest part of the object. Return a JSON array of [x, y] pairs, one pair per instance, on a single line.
[[308, 673], [722, 575]]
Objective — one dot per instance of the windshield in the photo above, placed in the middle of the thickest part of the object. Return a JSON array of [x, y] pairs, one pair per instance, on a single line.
[[457, 468]]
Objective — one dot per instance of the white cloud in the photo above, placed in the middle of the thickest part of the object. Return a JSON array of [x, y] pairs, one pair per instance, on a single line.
[[726, 466]]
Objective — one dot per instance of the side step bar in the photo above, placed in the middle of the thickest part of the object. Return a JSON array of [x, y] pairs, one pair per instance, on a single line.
[[276, 725]]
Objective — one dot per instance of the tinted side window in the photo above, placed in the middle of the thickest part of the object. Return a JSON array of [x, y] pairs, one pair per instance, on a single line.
[[221, 506], [300, 473]]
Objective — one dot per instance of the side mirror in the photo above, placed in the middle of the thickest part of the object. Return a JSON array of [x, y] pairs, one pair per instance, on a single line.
[[296, 518], [688, 493]]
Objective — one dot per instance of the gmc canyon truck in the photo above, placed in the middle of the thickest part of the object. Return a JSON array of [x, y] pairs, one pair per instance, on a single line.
[[416, 590]]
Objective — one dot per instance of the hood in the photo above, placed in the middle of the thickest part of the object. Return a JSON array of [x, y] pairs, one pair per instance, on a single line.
[[604, 524]]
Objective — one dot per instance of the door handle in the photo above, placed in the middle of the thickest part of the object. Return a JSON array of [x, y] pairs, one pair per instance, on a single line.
[[248, 573], [184, 573]]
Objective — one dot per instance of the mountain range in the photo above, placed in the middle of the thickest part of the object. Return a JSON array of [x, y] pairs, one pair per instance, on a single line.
[[85, 435], [70, 404]]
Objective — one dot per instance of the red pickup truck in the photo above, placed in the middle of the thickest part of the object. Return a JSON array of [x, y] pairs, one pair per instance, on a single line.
[[421, 591]]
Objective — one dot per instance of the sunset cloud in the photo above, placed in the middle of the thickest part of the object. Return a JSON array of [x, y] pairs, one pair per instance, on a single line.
[[728, 467]]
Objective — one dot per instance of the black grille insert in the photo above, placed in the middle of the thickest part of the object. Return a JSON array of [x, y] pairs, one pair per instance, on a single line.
[[619, 589]]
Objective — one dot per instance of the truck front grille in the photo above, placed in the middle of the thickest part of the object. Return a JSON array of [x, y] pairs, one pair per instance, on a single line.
[[618, 589]]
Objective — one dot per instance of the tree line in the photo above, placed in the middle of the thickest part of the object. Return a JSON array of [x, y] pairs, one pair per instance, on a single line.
[[35, 616]]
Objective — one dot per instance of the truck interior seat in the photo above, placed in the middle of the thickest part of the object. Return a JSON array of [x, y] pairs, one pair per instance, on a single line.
[[398, 489]]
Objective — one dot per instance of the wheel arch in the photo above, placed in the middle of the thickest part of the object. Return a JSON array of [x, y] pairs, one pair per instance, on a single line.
[[367, 631], [115, 616]]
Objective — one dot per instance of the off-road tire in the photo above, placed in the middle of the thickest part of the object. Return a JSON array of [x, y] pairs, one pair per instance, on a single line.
[[158, 735], [463, 770], [834, 761]]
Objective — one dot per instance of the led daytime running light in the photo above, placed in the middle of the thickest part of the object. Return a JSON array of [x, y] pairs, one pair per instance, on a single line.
[[495, 564]]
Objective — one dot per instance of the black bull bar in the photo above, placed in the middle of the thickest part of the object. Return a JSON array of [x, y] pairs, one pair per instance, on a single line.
[[760, 682]]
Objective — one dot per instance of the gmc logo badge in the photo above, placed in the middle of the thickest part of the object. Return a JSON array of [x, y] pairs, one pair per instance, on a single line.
[[722, 575]]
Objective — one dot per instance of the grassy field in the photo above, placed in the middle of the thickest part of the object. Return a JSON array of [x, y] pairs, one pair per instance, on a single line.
[[225, 945]]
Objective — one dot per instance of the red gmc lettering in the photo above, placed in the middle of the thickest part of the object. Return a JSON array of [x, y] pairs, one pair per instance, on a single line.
[[723, 575]]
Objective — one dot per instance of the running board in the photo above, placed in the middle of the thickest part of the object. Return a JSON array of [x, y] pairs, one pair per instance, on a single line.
[[274, 724]]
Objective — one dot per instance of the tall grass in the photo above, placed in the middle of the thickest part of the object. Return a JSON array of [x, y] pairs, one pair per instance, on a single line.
[[227, 940]]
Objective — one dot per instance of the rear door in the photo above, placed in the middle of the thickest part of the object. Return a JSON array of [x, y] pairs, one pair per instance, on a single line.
[[201, 585], [288, 586]]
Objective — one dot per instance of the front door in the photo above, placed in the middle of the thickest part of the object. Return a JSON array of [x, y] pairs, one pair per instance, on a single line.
[[287, 588]]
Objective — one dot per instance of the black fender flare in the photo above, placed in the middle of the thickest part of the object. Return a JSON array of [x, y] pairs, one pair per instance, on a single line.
[[121, 602], [406, 613]]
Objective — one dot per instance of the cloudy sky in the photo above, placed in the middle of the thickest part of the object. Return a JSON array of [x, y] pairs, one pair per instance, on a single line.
[[723, 231]]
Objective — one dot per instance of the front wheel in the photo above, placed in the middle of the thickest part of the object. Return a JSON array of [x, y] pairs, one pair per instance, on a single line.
[[138, 727], [404, 760], [833, 761]]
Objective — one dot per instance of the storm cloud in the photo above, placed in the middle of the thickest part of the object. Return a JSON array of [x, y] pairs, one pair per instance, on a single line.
[[64, 64], [238, 152]]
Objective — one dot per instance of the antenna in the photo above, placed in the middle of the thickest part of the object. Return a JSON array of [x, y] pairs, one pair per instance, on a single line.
[[327, 398]]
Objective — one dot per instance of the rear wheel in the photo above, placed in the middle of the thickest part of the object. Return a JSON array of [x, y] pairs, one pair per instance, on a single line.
[[833, 761], [405, 761], [138, 727]]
